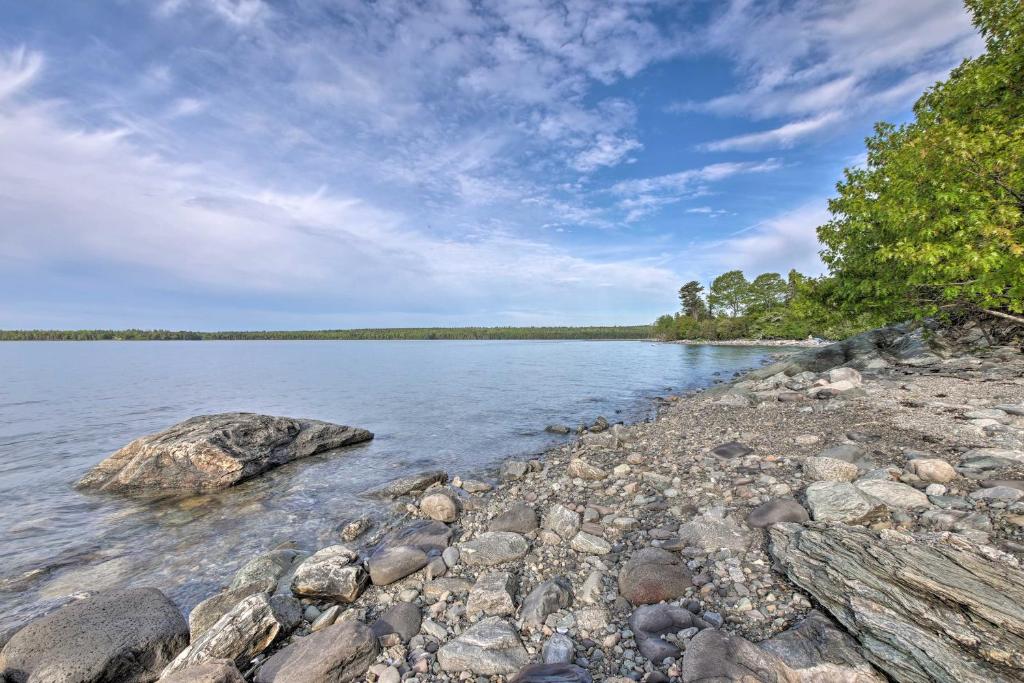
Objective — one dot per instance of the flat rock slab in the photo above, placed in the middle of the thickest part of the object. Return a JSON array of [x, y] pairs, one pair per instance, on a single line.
[[212, 452], [338, 653], [494, 547], [733, 449], [552, 673], [214, 671], [120, 635], [489, 648], [776, 511], [414, 483]]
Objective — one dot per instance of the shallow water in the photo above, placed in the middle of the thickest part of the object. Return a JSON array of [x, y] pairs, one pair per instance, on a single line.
[[461, 405]]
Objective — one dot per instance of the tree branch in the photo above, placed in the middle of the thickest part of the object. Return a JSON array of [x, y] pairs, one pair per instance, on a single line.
[[1005, 316]]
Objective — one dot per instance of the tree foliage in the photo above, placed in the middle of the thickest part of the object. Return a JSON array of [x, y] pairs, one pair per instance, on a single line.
[[935, 217], [729, 292], [691, 298]]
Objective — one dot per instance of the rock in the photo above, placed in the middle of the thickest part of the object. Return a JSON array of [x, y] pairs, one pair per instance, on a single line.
[[390, 675], [492, 595], [552, 673], [213, 671], [414, 483], [325, 618], [402, 618], [339, 653], [216, 451], [593, 585], [1011, 483], [923, 611], [488, 648], [511, 470], [650, 622], [123, 635], [851, 453], [209, 611], [1004, 493], [775, 511], [520, 518], [584, 470], [473, 486], [933, 470], [265, 570], [493, 547], [896, 495], [438, 587], [559, 649], [563, 521], [441, 506], [557, 429], [713, 532], [733, 449], [450, 556], [592, 619], [355, 529], [549, 596], [829, 469], [394, 563], [715, 656], [844, 375], [248, 629], [821, 653], [991, 457], [590, 544], [652, 575], [843, 502], [330, 574]]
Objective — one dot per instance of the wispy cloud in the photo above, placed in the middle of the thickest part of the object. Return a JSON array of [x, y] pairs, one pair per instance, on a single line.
[[683, 181], [18, 68], [783, 136]]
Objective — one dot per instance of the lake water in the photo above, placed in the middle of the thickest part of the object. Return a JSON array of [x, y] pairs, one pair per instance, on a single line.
[[461, 405]]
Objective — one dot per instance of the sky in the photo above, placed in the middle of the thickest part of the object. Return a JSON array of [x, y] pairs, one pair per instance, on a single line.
[[308, 164]]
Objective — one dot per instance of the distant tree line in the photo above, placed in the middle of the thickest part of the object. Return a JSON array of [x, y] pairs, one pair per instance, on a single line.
[[397, 333]]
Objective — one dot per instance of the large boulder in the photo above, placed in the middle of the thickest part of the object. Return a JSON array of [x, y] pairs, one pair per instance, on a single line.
[[714, 656], [821, 653], [490, 647], [339, 653], [216, 451], [930, 608], [119, 635]]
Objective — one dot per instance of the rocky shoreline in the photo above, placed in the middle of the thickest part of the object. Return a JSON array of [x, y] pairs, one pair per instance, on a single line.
[[786, 343], [851, 513]]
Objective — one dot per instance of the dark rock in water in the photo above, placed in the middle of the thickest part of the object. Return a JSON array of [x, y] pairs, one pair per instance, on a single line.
[[211, 452], [428, 535], [551, 673], [714, 655], [775, 511], [923, 610], [557, 429], [548, 597], [213, 671], [342, 652], [600, 425], [119, 635], [733, 449], [402, 618], [266, 570], [650, 622], [653, 575], [414, 483], [520, 518], [816, 646], [407, 550]]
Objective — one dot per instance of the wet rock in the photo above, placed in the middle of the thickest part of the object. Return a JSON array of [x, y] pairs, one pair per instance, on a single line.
[[650, 622], [520, 518], [492, 595], [265, 570], [733, 449], [922, 611], [414, 483], [339, 653], [714, 655], [590, 544], [402, 618], [843, 502], [355, 529], [552, 673], [489, 648], [829, 469], [441, 506], [123, 635], [210, 452], [821, 653], [895, 495], [548, 597], [775, 511], [558, 429], [248, 629], [209, 611], [214, 671], [933, 470], [394, 563], [652, 575], [563, 521], [493, 547], [332, 573], [559, 649]]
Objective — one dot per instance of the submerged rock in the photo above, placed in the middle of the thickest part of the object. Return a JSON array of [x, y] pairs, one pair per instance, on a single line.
[[414, 483], [210, 452]]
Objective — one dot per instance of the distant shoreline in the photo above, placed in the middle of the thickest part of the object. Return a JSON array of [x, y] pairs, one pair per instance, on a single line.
[[804, 343]]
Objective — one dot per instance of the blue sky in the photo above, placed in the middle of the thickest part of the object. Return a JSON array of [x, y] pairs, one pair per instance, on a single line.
[[251, 164]]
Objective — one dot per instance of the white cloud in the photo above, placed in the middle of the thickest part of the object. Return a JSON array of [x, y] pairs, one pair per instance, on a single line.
[[783, 136], [788, 240], [18, 68], [684, 181], [607, 150], [186, 106]]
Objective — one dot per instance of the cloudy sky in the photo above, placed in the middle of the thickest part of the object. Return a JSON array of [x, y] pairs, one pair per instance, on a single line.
[[251, 164]]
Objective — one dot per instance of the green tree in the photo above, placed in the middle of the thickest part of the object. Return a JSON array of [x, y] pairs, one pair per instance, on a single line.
[[729, 293], [691, 299], [935, 218], [766, 291]]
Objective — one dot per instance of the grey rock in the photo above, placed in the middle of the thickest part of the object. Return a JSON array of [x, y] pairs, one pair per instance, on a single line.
[[713, 656], [211, 452], [713, 532], [592, 588], [775, 511], [492, 595], [650, 622], [489, 648], [558, 429], [337, 654], [582, 469], [1011, 483], [821, 653], [923, 611], [265, 570], [590, 544], [402, 618], [414, 483], [492, 548], [454, 585], [896, 495], [1004, 493], [563, 521], [733, 449], [213, 671], [332, 573], [851, 453], [118, 635], [552, 673], [512, 470], [442, 506], [209, 611], [520, 518], [395, 563], [559, 649], [842, 502], [829, 469], [546, 598], [652, 575]]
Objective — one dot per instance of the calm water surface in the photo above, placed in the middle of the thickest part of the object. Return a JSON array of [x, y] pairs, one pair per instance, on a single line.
[[462, 406]]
